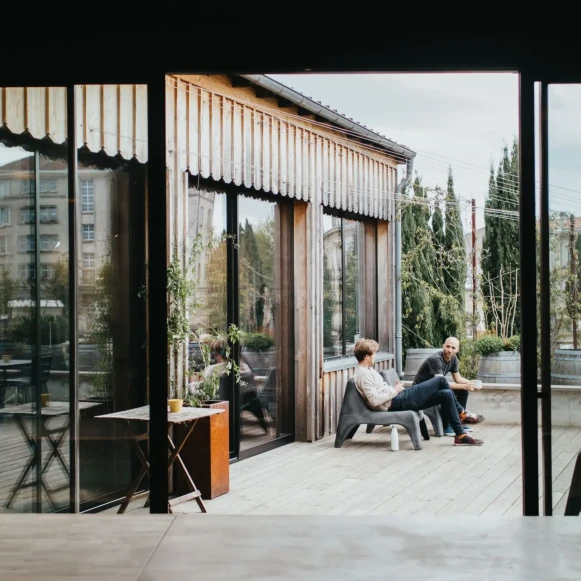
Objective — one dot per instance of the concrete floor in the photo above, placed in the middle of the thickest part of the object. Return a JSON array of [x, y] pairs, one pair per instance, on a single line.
[[325, 548]]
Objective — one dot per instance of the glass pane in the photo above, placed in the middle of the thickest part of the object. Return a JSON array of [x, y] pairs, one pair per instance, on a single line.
[[111, 323], [354, 282], [265, 386], [565, 252], [34, 330], [332, 287]]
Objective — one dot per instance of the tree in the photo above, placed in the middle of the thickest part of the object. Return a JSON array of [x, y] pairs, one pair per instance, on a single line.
[[500, 247], [418, 259]]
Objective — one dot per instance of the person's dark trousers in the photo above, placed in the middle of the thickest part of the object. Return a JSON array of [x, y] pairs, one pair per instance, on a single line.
[[435, 391], [462, 398]]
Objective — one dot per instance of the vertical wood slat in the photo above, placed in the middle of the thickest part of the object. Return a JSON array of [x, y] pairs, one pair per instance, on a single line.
[[227, 140], [216, 136], [204, 145], [237, 144], [180, 133], [384, 265], [283, 157]]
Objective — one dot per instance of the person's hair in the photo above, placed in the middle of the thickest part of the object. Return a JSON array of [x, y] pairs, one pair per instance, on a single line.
[[219, 347], [365, 347]]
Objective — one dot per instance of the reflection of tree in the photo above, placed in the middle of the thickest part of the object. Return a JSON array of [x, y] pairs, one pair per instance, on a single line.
[[7, 288], [56, 288], [351, 300], [328, 303], [256, 263], [101, 327], [215, 299]]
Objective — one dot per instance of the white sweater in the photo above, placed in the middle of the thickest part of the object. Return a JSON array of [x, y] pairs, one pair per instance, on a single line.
[[375, 392]]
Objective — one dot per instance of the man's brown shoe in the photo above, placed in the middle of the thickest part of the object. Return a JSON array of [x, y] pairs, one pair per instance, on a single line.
[[467, 440]]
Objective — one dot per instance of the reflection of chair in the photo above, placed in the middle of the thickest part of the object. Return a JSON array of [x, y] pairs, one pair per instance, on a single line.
[[25, 385], [249, 398], [573, 507], [268, 392]]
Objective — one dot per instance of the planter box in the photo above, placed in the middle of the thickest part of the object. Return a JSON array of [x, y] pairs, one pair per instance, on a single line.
[[502, 367], [259, 361], [206, 454]]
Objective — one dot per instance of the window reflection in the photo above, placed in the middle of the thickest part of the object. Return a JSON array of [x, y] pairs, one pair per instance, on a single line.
[[349, 306], [332, 287]]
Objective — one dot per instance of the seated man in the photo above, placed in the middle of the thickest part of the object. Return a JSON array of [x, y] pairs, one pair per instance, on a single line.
[[378, 395], [223, 362], [440, 364]]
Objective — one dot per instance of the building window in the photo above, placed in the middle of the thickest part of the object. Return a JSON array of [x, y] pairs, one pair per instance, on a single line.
[[27, 215], [47, 271], [88, 260], [5, 216], [26, 243], [5, 245], [88, 232], [87, 196], [349, 308], [47, 186], [48, 214], [4, 188], [26, 271], [49, 242], [28, 187]]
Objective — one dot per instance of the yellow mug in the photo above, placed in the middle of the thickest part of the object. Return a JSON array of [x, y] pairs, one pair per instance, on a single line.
[[6, 358], [44, 399], [175, 405]]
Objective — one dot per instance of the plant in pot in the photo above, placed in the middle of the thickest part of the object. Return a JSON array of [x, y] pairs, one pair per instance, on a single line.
[[499, 359], [187, 384]]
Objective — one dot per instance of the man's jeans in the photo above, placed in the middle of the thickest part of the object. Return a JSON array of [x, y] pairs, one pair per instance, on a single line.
[[435, 391], [461, 398]]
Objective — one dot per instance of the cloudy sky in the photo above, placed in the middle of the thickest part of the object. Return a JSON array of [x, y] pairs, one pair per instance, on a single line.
[[457, 120]]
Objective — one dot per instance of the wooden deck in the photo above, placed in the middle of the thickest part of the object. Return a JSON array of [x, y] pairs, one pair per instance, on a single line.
[[363, 477], [366, 477]]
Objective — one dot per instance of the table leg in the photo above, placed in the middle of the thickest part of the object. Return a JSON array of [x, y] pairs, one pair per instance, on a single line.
[[31, 462], [134, 443], [55, 445], [175, 455]]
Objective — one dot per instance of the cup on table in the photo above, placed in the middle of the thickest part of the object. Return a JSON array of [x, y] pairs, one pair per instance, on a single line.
[[44, 397], [175, 405], [6, 358], [477, 384]]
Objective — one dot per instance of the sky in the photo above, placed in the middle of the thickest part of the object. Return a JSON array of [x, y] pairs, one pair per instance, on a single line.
[[459, 120]]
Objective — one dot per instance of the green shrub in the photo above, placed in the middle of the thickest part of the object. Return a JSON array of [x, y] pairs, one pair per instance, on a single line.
[[489, 344], [513, 343], [468, 359], [257, 341]]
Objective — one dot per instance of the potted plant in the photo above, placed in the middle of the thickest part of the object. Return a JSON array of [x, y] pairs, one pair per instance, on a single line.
[[499, 359], [207, 451], [258, 351]]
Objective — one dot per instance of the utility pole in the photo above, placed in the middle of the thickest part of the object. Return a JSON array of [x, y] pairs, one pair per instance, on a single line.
[[573, 267], [474, 310]]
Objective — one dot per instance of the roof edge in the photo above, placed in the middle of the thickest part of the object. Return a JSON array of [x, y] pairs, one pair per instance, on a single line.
[[317, 109]]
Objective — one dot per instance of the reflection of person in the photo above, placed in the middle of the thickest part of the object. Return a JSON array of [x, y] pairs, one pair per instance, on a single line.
[[380, 396], [263, 309], [440, 364], [218, 348]]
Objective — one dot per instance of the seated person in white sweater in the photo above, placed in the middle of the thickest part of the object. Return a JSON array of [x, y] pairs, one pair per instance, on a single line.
[[380, 396]]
